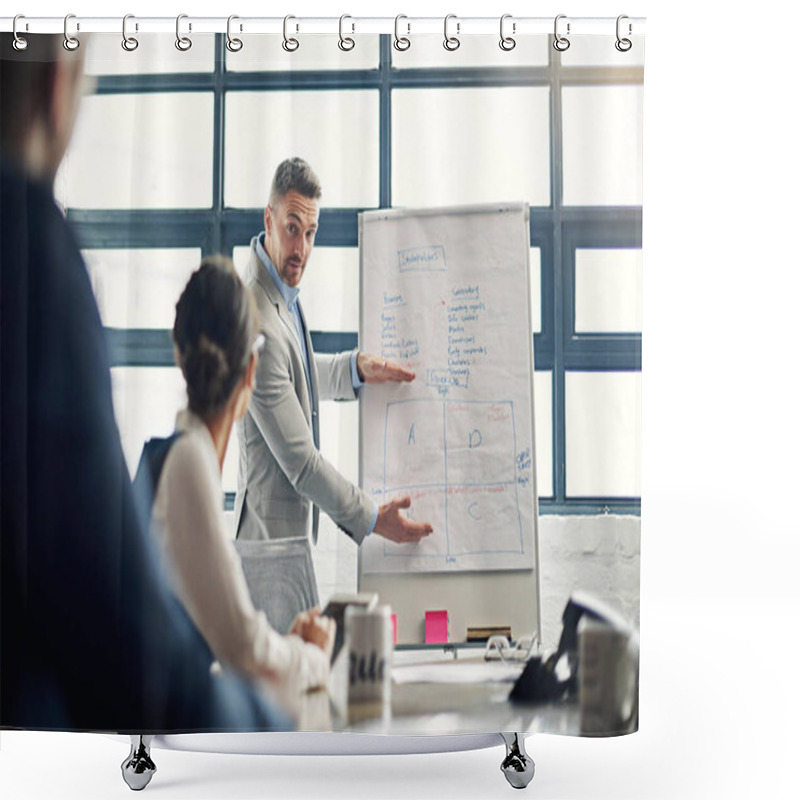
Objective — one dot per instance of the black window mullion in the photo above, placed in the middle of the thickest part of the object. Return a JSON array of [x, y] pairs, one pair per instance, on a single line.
[[293, 81], [385, 122], [154, 84], [590, 505], [139, 347], [152, 347], [142, 228], [218, 192], [557, 193], [541, 235]]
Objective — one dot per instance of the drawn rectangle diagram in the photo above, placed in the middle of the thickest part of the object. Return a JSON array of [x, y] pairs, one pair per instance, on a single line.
[[457, 460], [480, 442], [414, 451], [483, 520]]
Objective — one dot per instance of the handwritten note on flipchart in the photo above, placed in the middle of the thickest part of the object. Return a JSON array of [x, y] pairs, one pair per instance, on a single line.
[[446, 293]]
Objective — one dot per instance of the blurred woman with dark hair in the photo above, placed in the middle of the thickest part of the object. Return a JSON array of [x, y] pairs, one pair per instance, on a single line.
[[216, 343]]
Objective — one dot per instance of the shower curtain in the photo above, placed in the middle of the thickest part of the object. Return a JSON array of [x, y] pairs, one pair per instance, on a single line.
[[172, 159]]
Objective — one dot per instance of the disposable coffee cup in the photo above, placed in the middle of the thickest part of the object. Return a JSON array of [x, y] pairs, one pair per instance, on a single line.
[[608, 666], [368, 636]]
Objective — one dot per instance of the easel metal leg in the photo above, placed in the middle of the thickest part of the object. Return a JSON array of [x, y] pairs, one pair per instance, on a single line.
[[517, 766], [138, 768]]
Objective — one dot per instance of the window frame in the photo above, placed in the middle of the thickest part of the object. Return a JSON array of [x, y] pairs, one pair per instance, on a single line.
[[558, 231]]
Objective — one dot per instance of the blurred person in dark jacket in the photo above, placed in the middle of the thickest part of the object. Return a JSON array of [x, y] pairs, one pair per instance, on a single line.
[[90, 636]]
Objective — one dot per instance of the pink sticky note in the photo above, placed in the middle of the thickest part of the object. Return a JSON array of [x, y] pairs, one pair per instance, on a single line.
[[437, 627], [394, 628]]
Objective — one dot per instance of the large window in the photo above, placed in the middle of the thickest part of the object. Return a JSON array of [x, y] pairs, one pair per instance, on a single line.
[[206, 129]]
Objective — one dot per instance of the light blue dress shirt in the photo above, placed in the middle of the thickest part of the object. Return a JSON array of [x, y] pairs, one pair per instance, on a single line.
[[290, 294]]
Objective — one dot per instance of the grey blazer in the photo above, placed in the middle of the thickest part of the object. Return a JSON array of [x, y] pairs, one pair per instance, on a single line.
[[281, 471]]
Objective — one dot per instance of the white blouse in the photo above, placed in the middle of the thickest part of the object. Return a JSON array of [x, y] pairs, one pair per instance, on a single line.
[[207, 572]]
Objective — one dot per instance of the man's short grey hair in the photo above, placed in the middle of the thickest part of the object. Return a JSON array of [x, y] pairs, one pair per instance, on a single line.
[[294, 174]]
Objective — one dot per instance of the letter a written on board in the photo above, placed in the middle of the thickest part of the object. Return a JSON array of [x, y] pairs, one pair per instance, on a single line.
[[412, 436]]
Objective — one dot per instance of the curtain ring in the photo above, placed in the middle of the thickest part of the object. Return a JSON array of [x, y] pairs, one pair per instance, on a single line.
[[234, 45], [20, 42], [507, 42], [401, 43], [70, 42], [289, 44], [623, 45], [346, 43], [560, 43], [183, 43], [451, 42], [129, 43]]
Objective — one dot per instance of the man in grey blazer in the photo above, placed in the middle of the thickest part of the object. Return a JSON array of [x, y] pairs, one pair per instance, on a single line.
[[283, 478]]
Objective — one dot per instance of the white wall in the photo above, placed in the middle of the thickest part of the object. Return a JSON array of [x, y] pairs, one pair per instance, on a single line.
[[598, 554]]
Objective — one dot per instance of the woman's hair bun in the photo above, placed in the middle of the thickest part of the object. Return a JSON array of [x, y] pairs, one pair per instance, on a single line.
[[206, 370], [215, 325]]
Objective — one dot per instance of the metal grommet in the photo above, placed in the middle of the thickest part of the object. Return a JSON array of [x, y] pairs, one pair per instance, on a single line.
[[70, 42], [560, 43], [20, 42], [129, 43], [623, 45], [401, 43], [507, 42], [183, 43], [289, 44], [233, 45], [346, 43], [451, 42]]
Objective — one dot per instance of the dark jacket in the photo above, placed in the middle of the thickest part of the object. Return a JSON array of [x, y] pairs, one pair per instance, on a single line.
[[91, 637]]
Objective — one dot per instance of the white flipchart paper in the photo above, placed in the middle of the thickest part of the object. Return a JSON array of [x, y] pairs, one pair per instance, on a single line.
[[446, 293]]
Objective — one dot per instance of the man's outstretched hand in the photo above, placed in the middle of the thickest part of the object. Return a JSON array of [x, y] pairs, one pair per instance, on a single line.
[[372, 369], [396, 527]]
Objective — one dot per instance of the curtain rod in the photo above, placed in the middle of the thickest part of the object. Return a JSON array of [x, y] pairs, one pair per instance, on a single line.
[[406, 25]]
